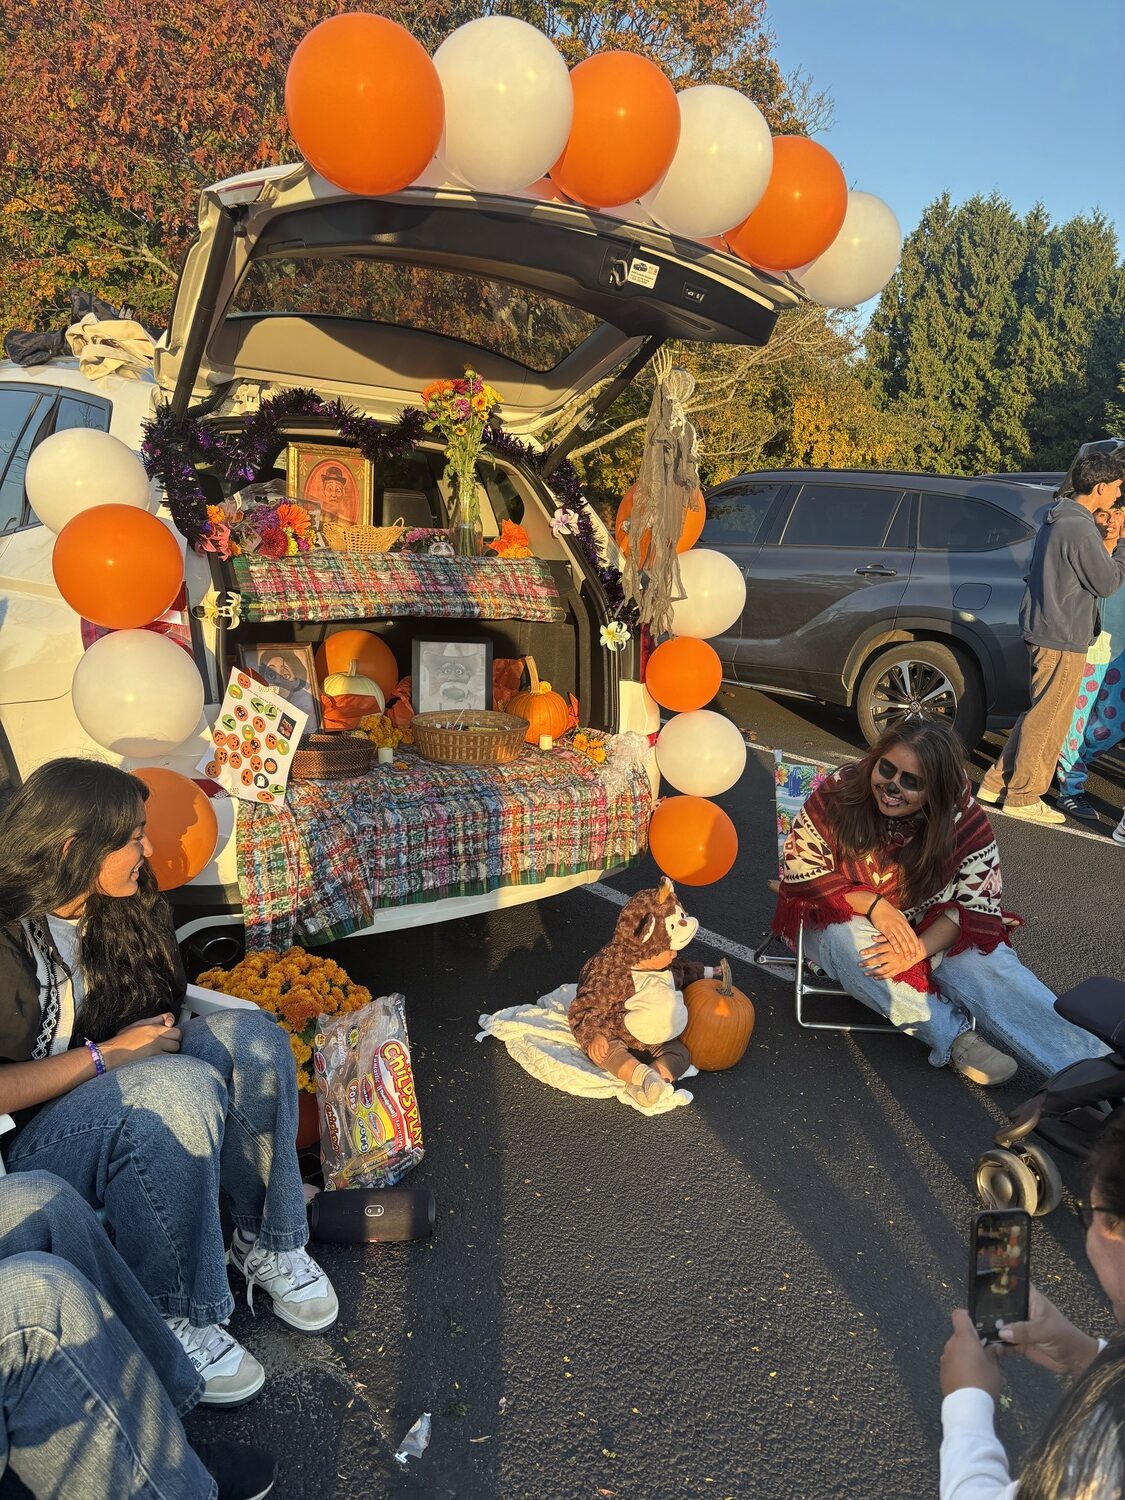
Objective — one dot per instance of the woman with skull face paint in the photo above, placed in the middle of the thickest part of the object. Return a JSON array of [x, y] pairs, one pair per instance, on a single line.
[[893, 870]]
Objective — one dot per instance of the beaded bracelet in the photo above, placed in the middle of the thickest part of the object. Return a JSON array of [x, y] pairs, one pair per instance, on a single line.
[[96, 1053]]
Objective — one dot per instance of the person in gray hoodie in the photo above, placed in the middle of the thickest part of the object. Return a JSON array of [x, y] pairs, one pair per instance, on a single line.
[[1073, 568]]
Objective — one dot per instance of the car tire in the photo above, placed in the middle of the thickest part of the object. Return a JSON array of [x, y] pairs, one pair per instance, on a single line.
[[913, 679]]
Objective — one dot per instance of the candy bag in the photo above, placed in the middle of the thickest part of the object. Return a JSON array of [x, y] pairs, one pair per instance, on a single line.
[[370, 1128]]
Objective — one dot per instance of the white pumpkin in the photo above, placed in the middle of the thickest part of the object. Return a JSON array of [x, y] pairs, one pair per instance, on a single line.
[[341, 684]]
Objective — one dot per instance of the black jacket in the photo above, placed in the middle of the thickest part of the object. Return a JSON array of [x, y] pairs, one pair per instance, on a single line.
[[21, 1010]]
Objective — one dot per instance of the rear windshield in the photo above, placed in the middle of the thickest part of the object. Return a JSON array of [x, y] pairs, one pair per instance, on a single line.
[[527, 327]]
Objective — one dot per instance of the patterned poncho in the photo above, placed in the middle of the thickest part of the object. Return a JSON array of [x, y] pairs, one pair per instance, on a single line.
[[816, 881]]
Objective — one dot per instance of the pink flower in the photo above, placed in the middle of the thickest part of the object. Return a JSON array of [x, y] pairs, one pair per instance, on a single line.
[[218, 539]]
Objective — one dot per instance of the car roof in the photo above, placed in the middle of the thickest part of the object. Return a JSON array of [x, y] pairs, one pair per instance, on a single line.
[[1029, 500]]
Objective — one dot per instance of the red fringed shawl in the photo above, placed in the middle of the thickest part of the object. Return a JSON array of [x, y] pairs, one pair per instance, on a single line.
[[814, 884]]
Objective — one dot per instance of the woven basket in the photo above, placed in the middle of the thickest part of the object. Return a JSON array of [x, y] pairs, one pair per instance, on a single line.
[[362, 538], [332, 757], [487, 738]]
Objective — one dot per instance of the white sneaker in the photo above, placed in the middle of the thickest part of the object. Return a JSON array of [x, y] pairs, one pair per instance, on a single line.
[[231, 1374], [1035, 812], [991, 798], [301, 1292], [1119, 833]]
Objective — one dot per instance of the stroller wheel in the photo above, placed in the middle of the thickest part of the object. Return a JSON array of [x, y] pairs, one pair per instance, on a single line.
[[1004, 1181], [1046, 1175]]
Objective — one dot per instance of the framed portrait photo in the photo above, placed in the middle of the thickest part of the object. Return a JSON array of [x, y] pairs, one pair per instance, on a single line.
[[451, 675], [287, 667], [334, 483]]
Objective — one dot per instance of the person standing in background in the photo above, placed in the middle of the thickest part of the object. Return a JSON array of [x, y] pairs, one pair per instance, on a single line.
[[1072, 569]]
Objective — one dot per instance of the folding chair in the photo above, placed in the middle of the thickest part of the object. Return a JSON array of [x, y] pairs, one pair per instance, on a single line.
[[794, 782], [197, 1002]]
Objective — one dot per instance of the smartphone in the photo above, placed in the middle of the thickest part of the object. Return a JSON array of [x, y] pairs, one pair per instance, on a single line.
[[999, 1270]]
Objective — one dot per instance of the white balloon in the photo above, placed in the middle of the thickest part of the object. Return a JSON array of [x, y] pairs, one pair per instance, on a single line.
[[860, 260], [716, 594], [75, 470], [137, 693], [721, 166], [701, 753], [508, 103]]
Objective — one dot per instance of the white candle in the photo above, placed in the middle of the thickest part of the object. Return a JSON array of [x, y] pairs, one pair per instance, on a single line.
[[386, 755], [545, 742]]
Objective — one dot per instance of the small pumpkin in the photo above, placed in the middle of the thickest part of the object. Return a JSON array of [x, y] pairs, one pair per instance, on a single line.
[[348, 696], [545, 710], [720, 1022]]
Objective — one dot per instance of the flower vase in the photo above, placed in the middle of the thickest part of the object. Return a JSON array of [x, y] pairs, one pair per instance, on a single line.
[[465, 530]]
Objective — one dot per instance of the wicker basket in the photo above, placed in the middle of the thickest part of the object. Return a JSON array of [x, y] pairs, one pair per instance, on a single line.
[[362, 538], [485, 738], [332, 757]]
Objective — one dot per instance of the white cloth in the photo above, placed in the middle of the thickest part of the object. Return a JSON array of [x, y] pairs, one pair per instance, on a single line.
[[539, 1038], [110, 346], [64, 930], [656, 1012], [974, 1465]]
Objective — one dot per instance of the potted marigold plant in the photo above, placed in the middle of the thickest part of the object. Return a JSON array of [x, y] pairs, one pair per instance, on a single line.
[[297, 988]]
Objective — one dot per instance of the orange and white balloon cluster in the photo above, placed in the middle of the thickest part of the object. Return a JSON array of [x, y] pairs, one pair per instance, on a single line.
[[135, 692], [496, 109], [700, 753]]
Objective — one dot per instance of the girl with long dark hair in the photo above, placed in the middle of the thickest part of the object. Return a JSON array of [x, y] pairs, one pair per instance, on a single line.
[[147, 1119], [893, 871]]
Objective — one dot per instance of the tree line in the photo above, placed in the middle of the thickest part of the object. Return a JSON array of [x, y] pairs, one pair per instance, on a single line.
[[998, 344]]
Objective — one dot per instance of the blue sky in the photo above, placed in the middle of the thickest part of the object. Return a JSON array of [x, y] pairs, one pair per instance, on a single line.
[[1023, 96]]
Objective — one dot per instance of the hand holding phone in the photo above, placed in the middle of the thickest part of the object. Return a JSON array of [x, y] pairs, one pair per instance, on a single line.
[[999, 1270]]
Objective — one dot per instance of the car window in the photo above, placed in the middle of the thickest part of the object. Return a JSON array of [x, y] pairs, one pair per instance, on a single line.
[[840, 515], [17, 433], [73, 412], [406, 487], [507, 502], [954, 523], [735, 514]]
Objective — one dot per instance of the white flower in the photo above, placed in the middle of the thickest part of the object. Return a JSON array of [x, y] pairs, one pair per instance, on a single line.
[[564, 522], [615, 636]]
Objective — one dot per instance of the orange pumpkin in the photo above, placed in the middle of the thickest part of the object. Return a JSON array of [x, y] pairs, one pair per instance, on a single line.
[[546, 711], [720, 1022]]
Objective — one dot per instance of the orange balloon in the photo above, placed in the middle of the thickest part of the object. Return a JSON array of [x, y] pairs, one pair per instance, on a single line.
[[374, 658], [683, 673], [364, 103], [692, 840], [694, 518], [180, 824], [801, 211], [625, 130], [117, 566]]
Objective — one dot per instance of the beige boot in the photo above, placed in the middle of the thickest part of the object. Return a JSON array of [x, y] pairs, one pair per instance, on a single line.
[[980, 1062]]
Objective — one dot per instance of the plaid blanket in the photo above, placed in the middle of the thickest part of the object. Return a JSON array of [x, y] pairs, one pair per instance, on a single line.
[[318, 867], [324, 585]]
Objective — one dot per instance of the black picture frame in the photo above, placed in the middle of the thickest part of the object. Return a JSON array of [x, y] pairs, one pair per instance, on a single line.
[[466, 683]]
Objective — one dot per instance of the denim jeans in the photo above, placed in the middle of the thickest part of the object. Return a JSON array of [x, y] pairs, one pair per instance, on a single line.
[[82, 1410], [1003, 995], [154, 1142]]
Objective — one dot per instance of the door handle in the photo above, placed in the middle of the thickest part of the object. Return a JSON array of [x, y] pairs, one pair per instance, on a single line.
[[876, 570]]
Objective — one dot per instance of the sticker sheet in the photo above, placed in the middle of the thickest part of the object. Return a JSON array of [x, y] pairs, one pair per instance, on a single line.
[[252, 741]]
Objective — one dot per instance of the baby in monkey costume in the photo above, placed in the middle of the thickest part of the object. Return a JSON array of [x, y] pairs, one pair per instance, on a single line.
[[629, 1010]]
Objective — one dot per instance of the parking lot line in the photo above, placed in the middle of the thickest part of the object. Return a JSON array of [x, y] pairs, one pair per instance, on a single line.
[[704, 935]]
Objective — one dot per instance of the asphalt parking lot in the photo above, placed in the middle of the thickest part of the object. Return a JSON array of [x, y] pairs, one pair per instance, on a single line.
[[745, 1297]]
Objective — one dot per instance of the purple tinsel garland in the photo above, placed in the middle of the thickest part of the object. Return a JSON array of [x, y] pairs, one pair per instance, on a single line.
[[172, 449]]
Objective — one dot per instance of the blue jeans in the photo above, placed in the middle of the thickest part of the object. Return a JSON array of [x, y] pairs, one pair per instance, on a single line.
[[82, 1410], [154, 1142], [994, 987]]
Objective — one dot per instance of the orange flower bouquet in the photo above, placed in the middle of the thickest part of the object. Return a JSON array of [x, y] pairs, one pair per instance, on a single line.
[[297, 988]]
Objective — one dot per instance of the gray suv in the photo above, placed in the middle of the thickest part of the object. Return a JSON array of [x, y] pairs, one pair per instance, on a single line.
[[890, 594]]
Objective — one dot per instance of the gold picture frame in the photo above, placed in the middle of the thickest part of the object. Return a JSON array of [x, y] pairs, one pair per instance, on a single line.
[[332, 483]]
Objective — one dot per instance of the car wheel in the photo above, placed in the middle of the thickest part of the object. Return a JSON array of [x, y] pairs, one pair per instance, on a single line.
[[920, 679]]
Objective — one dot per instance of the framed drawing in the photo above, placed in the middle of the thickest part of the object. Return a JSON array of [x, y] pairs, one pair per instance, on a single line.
[[451, 675], [337, 483], [288, 668]]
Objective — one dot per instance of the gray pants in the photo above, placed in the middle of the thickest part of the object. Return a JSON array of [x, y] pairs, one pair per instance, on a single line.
[[1027, 766]]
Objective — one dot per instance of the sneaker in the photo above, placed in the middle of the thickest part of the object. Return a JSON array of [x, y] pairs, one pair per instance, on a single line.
[[984, 795], [1078, 806], [980, 1062], [1119, 833], [301, 1292], [231, 1374], [1035, 812], [241, 1471]]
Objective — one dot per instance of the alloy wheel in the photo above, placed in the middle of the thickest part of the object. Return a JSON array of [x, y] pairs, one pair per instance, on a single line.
[[910, 689]]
